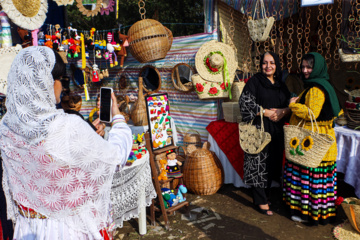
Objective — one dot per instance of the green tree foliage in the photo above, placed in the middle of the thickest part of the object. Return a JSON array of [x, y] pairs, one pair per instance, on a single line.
[[186, 16]]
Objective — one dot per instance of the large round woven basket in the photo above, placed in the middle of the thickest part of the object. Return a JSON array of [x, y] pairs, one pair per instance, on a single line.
[[192, 137], [149, 40], [203, 172]]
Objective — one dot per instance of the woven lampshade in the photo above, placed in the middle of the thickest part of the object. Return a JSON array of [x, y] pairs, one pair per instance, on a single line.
[[149, 40]]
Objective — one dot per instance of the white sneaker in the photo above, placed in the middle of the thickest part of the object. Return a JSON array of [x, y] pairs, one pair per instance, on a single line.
[[297, 219]]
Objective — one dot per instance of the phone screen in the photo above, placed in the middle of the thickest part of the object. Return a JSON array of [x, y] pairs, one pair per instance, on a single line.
[[105, 104]]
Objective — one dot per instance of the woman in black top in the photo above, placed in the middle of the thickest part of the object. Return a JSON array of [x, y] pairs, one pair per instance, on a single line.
[[265, 89]]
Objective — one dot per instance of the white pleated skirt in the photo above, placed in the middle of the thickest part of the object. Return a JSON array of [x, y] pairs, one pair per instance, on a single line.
[[47, 229]]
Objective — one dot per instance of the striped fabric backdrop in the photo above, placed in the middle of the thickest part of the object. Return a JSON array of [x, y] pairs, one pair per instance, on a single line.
[[187, 110]]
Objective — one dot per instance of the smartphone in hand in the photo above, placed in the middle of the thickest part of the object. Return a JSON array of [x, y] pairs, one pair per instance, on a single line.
[[105, 104]]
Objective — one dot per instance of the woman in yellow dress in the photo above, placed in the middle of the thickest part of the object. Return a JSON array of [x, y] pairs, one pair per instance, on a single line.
[[311, 192]]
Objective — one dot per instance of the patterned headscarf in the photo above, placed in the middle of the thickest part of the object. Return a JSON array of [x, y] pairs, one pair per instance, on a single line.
[[30, 99]]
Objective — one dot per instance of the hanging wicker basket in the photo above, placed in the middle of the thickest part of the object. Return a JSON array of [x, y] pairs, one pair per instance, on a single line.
[[191, 138], [170, 36], [149, 40], [203, 172]]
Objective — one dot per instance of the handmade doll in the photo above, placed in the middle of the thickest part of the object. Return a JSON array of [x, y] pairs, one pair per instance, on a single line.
[[111, 50], [173, 164], [123, 43], [162, 175], [48, 41]]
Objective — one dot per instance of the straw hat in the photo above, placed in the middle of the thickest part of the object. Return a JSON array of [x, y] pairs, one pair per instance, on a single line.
[[345, 231], [210, 59], [28, 14]]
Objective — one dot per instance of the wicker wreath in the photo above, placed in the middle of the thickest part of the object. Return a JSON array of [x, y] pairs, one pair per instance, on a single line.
[[89, 13]]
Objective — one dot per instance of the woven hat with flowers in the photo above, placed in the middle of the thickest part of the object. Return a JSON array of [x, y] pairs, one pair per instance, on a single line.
[[216, 62], [27, 14]]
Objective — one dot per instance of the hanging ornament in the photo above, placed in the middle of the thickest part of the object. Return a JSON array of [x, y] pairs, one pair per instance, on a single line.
[[108, 6], [95, 74]]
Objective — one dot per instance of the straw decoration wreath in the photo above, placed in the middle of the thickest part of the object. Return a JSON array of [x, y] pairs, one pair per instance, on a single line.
[[89, 13], [27, 14]]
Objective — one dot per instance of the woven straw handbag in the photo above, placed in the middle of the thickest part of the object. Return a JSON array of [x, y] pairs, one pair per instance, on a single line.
[[351, 208], [253, 140], [259, 29], [306, 147]]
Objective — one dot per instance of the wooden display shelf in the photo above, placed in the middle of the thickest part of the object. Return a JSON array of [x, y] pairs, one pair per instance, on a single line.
[[165, 212], [174, 208]]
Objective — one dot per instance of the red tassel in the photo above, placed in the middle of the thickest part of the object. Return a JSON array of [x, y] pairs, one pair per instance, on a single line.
[[104, 234]]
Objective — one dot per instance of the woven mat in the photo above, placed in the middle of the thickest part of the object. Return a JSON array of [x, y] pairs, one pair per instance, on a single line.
[[226, 136], [345, 231]]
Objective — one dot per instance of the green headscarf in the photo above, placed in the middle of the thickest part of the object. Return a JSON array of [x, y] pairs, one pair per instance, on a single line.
[[320, 76]]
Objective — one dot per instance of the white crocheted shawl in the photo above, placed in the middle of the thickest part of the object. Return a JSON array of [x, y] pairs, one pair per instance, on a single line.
[[53, 162]]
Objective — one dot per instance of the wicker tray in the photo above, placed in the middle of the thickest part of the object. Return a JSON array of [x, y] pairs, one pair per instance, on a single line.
[[353, 119]]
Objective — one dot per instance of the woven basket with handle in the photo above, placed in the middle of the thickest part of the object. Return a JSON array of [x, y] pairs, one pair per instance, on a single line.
[[306, 147], [351, 208], [203, 172], [253, 140], [191, 137]]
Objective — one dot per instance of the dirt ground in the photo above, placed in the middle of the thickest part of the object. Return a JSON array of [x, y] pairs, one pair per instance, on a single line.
[[229, 214]]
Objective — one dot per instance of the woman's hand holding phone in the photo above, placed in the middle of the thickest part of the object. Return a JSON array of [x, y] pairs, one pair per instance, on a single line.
[[114, 108]]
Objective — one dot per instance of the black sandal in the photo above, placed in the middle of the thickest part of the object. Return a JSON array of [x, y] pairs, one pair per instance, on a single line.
[[267, 212]]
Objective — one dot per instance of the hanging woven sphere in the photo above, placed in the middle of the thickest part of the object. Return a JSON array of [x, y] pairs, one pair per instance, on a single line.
[[203, 172], [149, 40]]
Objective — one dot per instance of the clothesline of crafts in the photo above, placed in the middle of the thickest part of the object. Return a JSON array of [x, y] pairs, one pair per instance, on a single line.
[[50, 26]]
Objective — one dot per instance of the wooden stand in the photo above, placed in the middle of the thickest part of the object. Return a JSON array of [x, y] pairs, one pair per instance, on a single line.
[[158, 184]]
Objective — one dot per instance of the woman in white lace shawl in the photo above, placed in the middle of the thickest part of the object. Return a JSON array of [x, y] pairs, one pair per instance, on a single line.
[[57, 170]]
